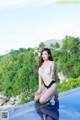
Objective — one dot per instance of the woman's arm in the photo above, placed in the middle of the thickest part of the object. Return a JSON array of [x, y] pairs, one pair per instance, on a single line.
[[52, 68], [40, 81], [40, 85]]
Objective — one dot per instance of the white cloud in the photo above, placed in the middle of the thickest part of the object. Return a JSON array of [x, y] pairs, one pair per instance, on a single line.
[[13, 3], [44, 2], [57, 31]]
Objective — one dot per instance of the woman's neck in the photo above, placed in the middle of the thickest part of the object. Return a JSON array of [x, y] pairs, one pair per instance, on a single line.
[[45, 61]]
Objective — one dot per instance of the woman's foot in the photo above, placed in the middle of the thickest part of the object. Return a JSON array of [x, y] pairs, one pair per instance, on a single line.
[[56, 97], [47, 102]]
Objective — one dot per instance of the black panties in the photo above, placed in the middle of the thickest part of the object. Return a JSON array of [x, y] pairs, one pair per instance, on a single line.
[[52, 82]]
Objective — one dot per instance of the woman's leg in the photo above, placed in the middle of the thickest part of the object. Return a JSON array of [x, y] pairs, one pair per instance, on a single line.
[[47, 82], [56, 96], [48, 94], [38, 96]]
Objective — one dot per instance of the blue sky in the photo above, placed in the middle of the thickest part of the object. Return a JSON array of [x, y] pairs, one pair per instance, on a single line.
[[26, 23]]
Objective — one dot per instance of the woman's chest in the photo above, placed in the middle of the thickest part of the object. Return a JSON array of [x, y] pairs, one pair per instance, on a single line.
[[45, 69]]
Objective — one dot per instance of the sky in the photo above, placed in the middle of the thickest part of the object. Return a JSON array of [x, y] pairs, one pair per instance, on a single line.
[[26, 23]]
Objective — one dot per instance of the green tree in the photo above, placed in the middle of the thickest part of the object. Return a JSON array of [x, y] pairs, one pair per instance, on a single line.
[[41, 46]]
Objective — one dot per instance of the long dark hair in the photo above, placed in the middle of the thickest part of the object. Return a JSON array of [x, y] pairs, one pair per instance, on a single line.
[[40, 58]]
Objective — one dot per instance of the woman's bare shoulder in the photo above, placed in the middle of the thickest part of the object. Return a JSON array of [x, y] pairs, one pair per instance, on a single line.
[[52, 65], [52, 62]]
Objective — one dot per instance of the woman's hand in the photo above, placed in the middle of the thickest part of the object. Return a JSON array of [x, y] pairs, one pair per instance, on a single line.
[[38, 91]]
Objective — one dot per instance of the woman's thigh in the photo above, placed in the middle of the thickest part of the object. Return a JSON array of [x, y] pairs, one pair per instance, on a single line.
[[49, 92], [43, 91]]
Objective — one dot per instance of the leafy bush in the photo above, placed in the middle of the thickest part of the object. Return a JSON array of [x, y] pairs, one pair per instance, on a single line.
[[70, 84]]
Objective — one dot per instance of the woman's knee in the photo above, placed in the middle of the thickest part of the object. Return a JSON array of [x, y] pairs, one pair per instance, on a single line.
[[36, 98], [42, 100]]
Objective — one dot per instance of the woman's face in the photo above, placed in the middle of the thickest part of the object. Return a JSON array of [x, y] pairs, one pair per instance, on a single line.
[[45, 55]]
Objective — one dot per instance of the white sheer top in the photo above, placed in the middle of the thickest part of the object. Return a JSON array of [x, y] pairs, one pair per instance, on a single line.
[[46, 71]]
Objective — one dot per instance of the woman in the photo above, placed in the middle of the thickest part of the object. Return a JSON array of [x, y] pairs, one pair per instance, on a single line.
[[47, 84]]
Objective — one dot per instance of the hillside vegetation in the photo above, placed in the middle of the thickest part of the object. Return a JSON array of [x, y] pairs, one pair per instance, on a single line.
[[18, 68]]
